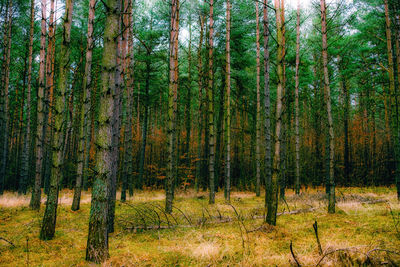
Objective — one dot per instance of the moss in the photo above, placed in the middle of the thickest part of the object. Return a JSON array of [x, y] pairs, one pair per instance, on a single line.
[[364, 226]]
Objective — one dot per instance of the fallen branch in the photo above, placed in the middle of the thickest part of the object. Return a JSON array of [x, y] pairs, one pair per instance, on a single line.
[[8, 241], [294, 256], [315, 226]]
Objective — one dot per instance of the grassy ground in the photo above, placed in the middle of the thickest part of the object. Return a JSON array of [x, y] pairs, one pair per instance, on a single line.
[[211, 235]]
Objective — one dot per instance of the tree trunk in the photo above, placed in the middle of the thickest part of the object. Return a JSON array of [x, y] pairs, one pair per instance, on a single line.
[[272, 204], [267, 109], [27, 134], [331, 181], [50, 215], [36, 192], [172, 103], [5, 98], [97, 244], [86, 83], [228, 103], [258, 111], [200, 121], [211, 105], [297, 142]]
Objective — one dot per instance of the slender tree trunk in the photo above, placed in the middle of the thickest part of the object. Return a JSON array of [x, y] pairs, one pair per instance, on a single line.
[[97, 244], [211, 105], [331, 181], [228, 103], [50, 215], [130, 63], [258, 111], [27, 134], [36, 192], [189, 96], [172, 103], [83, 116], [297, 149], [272, 204], [267, 109], [5, 97], [200, 121]]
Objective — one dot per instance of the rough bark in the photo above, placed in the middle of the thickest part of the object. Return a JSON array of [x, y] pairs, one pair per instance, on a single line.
[[297, 141], [228, 103], [172, 103], [267, 109], [84, 109], [258, 109], [36, 192], [49, 219], [97, 244], [272, 204], [210, 96], [27, 134], [327, 90]]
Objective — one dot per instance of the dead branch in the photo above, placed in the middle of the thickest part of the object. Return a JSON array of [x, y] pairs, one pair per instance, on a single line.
[[315, 226], [294, 256], [8, 241]]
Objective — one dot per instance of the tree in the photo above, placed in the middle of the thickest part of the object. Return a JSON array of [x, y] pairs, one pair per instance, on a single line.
[[97, 244], [172, 103], [210, 98], [258, 111], [50, 215], [84, 109], [273, 198], [297, 182], [228, 102], [36, 192], [327, 90]]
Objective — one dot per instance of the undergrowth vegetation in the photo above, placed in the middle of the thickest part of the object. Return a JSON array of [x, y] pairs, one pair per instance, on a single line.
[[364, 231]]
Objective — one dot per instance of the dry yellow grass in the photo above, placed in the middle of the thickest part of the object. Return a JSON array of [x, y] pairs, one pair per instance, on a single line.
[[357, 225]]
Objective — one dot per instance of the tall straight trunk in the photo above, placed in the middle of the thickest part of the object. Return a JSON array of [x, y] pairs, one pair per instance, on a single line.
[[47, 130], [346, 118], [395, 134], [172, 103], [145, 121], [297, 142], [228, 102], [129, 81], [285, 112], [97, 244], [210, 95], [36, 192], [84, 109], [49, 219], [258, 111], [200, 121], [189, 96], [27, 134], [5, 97], [267, 108], [272, 205], [115, 124], [331, 181]]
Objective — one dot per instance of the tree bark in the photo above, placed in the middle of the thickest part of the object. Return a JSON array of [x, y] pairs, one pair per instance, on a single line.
[[200, 109], [50, 215], [84, 109], [297, 142], [228, 103], [27, 134], [258, 110], [272, 204], [36, 192], [331, 141], [211, 105], [172, 104]]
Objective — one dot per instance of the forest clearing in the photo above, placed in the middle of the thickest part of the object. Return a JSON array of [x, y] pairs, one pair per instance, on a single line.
[[200, 132], [366, 219]]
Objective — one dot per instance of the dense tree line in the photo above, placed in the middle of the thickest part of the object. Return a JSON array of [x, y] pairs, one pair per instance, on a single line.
[[132, 94]]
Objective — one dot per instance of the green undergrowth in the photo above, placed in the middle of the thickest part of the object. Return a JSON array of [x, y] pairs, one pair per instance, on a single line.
[[198, 234]]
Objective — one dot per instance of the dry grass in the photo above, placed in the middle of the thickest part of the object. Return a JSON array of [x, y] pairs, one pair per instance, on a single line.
[[357, 225]]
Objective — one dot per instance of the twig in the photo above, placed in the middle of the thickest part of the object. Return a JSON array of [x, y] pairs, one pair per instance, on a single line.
[[294, 256], [315, 226], [8, 241]]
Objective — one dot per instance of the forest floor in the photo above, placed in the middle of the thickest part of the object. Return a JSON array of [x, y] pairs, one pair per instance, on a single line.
[[364, 230]]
